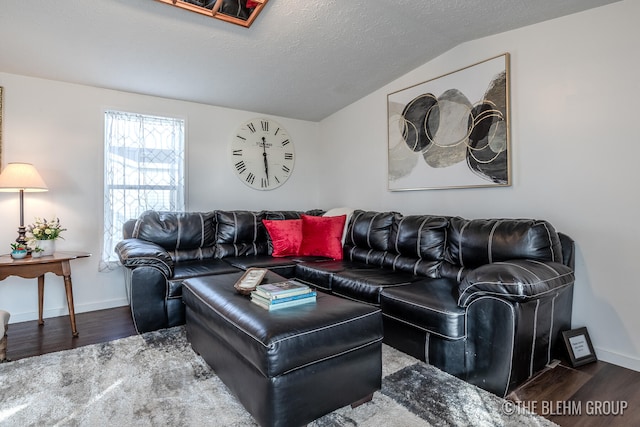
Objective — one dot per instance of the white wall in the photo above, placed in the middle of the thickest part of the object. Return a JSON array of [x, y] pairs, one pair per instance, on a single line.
[[576, 149], [59, 128]]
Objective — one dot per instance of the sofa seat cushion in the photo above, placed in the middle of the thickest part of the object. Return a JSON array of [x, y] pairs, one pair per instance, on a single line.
[[285, 266], [263, 261], [429, 304], [365, 284], [186, 270], [320, 273]]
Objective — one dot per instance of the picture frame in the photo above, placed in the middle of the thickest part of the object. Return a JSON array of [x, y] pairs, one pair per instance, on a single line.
[[452, 131], [579, 347], [251, 278], [239, 12]]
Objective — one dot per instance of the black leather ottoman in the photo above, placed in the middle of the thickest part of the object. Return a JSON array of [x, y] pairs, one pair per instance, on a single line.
[[290, 366]]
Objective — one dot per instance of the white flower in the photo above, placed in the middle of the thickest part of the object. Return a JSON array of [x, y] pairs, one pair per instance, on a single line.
[[42, 229]]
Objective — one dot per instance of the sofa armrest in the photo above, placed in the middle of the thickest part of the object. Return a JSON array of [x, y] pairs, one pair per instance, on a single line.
[[517, 280], [136, 252]]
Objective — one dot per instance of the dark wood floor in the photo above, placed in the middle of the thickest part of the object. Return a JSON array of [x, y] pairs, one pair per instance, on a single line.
[[27, 339], [567, 396], [597, 394]]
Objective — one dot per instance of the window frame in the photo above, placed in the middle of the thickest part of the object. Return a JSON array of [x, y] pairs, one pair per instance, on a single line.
[[112, 230]]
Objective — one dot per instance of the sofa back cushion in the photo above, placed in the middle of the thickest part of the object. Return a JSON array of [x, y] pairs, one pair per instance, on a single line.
[[185, 235], [476, 242], [275, 215], [418, 242], [368, 236], [240, 233]]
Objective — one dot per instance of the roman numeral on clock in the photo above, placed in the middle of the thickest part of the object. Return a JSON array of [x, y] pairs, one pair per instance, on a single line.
[[286, 169], [241, 167], [288, 156], [265, 126], [285, 142], [251, 178], [251, 127], [239, 153]]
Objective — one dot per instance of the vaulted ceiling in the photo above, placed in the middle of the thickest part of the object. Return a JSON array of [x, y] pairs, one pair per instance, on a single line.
[[303, 59]]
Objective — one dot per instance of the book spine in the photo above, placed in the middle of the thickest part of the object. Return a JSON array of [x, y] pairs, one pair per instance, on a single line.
[[260, 299], [293, 298], [269, 305], [260, 303], [293, 303], [255, 295], [283, 294]]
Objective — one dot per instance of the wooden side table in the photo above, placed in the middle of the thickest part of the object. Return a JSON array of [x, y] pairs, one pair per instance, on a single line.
[[30, 268]]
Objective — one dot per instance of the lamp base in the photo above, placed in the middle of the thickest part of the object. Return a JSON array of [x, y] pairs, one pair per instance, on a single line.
[[22, 238], [22, 231]]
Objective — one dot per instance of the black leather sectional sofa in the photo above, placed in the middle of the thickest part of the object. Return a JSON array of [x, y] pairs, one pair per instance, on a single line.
[[483, 299]]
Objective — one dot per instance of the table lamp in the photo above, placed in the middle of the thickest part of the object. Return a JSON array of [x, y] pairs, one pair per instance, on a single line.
[[21, 177]]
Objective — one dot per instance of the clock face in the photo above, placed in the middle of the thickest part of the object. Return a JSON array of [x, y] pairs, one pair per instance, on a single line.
[[262, 154]]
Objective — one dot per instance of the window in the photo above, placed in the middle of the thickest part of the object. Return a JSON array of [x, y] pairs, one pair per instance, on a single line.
[[143, 170]]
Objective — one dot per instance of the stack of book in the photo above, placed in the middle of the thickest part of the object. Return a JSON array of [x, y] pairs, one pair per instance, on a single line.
[[274, 296]]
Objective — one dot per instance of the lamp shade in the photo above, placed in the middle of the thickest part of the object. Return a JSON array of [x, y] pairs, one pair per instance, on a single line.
[[21, 176]]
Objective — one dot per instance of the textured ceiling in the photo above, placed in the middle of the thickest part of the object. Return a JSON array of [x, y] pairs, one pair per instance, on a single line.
[[302, 59]]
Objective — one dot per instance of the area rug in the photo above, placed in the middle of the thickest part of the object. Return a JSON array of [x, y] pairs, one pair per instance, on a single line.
[[156, 379]]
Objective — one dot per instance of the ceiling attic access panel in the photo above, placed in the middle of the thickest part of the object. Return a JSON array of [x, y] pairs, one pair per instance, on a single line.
[[239, 12]]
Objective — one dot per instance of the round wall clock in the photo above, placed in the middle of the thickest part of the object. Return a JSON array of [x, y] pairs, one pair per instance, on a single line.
[[262, 154]]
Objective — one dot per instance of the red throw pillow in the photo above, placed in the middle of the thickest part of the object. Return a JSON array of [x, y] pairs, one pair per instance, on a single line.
[[286, 236], [322, 236]]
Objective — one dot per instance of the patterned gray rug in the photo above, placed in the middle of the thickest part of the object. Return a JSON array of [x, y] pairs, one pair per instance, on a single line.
[[156, 379]]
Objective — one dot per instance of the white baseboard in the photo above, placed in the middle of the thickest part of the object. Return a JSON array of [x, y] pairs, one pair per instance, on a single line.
[[62, 311], [623, 360]]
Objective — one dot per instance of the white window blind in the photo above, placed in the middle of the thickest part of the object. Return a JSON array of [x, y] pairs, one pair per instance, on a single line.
[[144, 169]]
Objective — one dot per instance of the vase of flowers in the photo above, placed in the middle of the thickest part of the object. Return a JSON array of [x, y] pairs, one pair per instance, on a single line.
[[44, 234], [48, 247]]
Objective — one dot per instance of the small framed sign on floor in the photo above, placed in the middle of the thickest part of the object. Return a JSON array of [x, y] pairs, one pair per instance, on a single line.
[[579, 346]]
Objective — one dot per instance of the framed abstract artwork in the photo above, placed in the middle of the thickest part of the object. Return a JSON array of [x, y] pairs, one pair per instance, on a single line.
[[452, 131]]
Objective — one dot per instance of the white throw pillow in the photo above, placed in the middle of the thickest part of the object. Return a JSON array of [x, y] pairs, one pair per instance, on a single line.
[[341, 211]]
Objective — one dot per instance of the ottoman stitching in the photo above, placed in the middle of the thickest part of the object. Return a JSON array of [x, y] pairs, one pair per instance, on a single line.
[[332, 356], [325, 327], [282, 339]]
